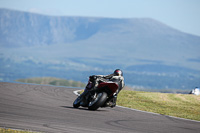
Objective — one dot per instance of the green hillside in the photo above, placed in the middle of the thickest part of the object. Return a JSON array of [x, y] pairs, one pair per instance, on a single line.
[[52, 81]]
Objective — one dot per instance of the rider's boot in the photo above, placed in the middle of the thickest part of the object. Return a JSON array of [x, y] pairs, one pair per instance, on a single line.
[[112, 102]]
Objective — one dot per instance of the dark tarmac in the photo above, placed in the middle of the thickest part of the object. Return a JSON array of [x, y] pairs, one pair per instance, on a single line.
[[49, 109]]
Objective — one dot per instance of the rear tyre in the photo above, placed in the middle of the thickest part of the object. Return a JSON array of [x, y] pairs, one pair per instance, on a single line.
[[98, 101], [77, 102]]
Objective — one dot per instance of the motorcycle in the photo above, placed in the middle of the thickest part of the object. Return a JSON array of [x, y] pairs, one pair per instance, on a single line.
[[95, 97]]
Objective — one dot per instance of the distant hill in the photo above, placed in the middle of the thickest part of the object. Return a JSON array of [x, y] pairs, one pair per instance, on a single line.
[[28, 29], [151, 53]]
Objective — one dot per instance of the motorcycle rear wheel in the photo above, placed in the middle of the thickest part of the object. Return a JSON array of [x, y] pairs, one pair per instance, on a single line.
[[98, 101]]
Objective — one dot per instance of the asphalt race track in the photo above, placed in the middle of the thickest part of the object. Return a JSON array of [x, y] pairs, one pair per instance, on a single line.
[[49, 109]]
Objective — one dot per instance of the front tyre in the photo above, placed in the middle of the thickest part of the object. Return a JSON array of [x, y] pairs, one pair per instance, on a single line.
[[98, 101], [77, 102]]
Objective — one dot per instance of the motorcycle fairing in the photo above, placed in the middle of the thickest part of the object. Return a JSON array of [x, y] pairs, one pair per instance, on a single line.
[[112, 86]]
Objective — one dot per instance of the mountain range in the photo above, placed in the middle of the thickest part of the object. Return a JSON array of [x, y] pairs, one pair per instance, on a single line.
[[152, 54]]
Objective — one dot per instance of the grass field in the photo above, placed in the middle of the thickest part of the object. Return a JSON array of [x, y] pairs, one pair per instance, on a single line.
[[3, 130], [178, 105]]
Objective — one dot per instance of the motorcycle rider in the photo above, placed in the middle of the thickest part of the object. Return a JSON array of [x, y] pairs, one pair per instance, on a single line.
[[117, 77]]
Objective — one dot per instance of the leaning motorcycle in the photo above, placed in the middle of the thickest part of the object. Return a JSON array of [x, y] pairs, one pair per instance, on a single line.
[[98, 97]]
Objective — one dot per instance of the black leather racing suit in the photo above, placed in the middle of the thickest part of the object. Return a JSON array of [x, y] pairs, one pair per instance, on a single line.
[[119, 80]]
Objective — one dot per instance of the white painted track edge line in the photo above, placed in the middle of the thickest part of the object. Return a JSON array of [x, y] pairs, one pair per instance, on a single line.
[[77, 92]]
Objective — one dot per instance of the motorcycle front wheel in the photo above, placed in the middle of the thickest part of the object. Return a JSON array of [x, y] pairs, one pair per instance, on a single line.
[[77, 102], [98, 101]]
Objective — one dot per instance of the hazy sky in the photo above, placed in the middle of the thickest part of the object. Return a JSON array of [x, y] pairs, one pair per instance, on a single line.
[[183, 15]]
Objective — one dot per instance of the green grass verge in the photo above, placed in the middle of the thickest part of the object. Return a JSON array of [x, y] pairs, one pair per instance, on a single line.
[[178, 105], [3, 130], [52, 81]]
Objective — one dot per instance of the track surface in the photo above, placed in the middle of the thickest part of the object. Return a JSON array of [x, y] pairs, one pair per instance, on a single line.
[[49, 109]]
